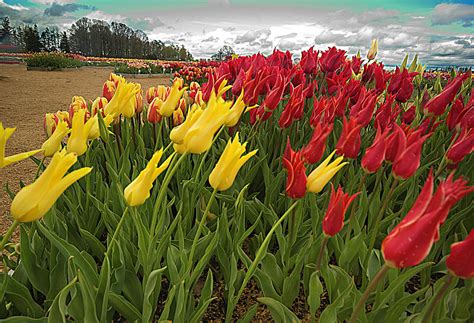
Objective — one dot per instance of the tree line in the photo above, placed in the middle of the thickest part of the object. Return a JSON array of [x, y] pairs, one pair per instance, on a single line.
[[92, 37]]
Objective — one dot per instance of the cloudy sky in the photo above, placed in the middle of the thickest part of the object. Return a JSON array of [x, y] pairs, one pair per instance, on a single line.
[[441, 32]]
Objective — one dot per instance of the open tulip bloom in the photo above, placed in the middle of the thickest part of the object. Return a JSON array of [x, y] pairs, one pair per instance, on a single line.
[[6, 133]]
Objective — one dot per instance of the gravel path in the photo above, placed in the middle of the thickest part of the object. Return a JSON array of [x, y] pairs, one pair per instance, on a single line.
[[25, 96]]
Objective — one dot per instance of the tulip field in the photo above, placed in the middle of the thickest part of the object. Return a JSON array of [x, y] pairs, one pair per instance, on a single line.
[[259, 188]]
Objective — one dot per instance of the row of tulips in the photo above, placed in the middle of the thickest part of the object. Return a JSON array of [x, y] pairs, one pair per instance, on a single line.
[[123, 242]]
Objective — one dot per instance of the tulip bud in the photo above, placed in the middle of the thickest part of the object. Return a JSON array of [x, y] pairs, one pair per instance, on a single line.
[[463, 146], [50, 121], [319, 177], [375, 154], [374, 47], [223, 175], [153, 114], [151, 93], [77, 142], [139, 100], [460, 261], [314, 150], [338, 203]]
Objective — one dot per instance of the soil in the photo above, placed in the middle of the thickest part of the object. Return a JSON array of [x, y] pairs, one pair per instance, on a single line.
[[25, 96]]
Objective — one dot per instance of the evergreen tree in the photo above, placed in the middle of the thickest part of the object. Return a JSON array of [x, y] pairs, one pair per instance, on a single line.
[[64, 44], [6, 30]]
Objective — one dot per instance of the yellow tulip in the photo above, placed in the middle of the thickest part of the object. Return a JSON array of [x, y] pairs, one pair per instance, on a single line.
[[77, 142], [6, 133], [138, 191], [123, 101], [374, 47], [53, 144], [171, 102], [177, 133], [223, 88], [237, 110], [161, 91], [223, 175], [34, 200], [323, 173], [198, 138], [94, 132]]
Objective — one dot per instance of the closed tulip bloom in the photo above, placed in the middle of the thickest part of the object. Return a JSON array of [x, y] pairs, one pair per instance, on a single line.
[[178, 117], [139, 99], [319, 177], [153, 114], [33, 201], [108, 90], [151, 94], [50, 122], [98, 106], [314, 150], [53, 143], [123, 101], [296, 180], [138, 191], [411, 240], [171, 102], [374, 47], [78, 103], [6, 133], [460, 261], [223, 175], [77, 142], [198, 138], [348, 144], [162, 92], [408, 155], [338, 203], [375, 154], [463, 146]]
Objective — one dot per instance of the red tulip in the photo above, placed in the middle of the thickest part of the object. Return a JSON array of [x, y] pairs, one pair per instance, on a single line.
[[385, 115], [454, 114], [294, 108], [408, 155], [275, 95], [348, 144], [309, 61], [338, 203], [411, 240], [409, 115], [314, 150], [363, 110], [375, 154], [437, 105], [460, 261], [296, 181], [405, 91], [463, 146]]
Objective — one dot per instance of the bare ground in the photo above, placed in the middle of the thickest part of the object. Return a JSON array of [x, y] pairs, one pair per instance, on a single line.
[[25, 96]]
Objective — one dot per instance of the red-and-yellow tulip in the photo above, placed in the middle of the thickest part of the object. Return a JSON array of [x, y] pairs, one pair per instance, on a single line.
[[53, 143]]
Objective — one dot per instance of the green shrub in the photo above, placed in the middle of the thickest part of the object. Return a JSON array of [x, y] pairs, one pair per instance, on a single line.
[[52, 61]]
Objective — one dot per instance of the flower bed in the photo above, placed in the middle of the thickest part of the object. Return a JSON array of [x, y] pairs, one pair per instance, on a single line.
[[332, 189]]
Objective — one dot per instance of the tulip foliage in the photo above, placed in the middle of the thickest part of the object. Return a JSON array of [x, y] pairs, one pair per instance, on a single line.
[[269, 190]]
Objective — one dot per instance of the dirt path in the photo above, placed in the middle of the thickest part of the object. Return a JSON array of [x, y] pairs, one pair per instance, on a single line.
[[25, 96]]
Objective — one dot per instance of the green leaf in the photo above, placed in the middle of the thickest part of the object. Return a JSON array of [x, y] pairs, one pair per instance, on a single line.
[[315, 292], [58, 310], [150, 295], [280, 313], [124, 307]]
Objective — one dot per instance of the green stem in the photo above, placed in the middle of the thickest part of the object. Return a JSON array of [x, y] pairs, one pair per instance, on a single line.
[[353, 208], [378, 219], [258, 257], [162, 193], [199, 229], [439, 296], [160, 131], [321, 252], [39, 167], [361, 304], [8, 234], [203, 158], [117, 229]]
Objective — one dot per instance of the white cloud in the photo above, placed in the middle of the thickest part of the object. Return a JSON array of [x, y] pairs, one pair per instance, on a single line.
[[448, 13], [17, 7]]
